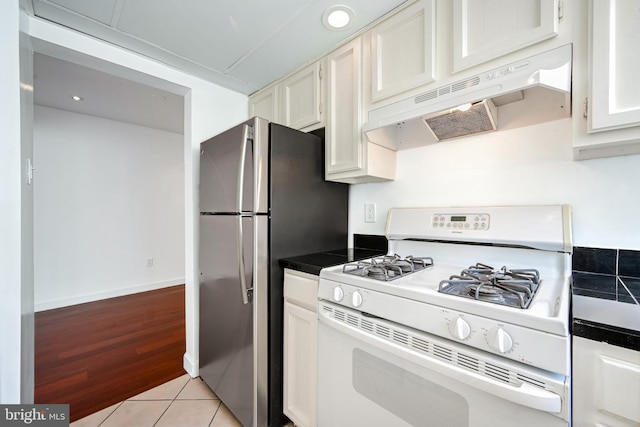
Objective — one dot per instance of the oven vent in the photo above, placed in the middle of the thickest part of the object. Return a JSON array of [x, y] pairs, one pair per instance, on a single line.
[[531, 381], [401, 337], [442, 352], [497, 372], [468, 362], [366, 325], [413, 340], [352, 320], [420, 345], [383, 331]]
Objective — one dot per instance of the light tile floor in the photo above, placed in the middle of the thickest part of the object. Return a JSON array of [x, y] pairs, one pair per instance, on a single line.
[[183, 402]]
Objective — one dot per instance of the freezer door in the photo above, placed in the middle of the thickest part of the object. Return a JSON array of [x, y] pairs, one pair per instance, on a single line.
[[227, 171], [226, 322]]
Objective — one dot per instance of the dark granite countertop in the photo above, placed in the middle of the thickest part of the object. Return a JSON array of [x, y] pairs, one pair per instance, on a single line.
[[313, 263], [366, 246]]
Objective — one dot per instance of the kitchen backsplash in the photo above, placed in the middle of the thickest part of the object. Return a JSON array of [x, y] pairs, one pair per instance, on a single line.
[[612, 274]]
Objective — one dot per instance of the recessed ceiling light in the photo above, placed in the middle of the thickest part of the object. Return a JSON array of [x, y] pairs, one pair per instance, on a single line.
[[337, 17], [77, 98]]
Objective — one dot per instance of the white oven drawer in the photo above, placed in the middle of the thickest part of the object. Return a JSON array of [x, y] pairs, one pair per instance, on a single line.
[[369, 374]]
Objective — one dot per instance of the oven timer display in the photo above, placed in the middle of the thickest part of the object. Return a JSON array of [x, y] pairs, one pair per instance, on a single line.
[[457, 222]]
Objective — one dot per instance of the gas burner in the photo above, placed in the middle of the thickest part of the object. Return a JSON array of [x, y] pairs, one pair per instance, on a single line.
[[388, 267], [513, 288]]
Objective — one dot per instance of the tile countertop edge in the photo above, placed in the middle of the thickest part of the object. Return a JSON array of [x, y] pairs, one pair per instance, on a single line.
[[608, 321]]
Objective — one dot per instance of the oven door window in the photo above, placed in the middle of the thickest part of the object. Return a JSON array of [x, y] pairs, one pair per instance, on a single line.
[[405, 394]]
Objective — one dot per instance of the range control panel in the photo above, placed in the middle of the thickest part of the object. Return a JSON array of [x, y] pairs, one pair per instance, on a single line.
[[479, 221]]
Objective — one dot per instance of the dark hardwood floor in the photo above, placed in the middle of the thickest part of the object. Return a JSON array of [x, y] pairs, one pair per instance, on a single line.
[[96, 354]]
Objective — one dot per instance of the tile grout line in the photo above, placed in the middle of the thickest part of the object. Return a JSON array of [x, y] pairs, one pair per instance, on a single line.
[[628, 290], [172, 400], [111, 413]]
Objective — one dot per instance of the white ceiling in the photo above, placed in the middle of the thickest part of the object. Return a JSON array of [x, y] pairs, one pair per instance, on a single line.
[[239, 44], [104, 95]]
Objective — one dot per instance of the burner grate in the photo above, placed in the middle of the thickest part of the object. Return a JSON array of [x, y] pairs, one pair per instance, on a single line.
[[513, 288], [388, 267]]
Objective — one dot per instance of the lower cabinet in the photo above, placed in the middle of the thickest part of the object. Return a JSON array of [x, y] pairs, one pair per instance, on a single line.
[[606, 385], [300, 348]]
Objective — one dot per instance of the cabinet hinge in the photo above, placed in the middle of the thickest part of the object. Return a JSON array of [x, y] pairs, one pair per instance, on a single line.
[[320, 108], [320, 72], [560, 9], [585, 108]]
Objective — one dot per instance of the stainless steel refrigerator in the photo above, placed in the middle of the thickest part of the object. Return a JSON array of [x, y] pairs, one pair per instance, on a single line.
[[263, 197]]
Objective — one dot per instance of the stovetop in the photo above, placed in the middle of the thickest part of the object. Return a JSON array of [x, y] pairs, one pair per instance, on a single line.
[[546, 309]]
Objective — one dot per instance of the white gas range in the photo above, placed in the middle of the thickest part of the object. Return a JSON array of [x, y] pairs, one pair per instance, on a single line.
[[482, 293]]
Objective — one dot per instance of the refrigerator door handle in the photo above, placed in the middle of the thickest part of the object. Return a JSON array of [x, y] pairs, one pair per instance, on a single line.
[[243, 154], [241, 166], [243, 278]]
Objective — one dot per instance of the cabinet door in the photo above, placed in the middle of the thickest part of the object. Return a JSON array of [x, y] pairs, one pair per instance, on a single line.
[[486, 29], [265, 104], [301, 365], [614, 64], [301, 98], [344, 106], [606, 384], [402, 51]]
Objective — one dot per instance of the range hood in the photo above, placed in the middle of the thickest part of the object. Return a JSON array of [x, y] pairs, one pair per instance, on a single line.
[[522, 93]]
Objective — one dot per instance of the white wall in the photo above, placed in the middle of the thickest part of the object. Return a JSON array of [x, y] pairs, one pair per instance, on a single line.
[[530, 165], [107, 196], [16, 210]]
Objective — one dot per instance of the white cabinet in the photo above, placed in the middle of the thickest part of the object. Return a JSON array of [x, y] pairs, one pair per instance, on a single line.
[[606, 385], [606, 90], [265, 104], [300, 356], [614, 64], [402, 51], [344, 108], [486, 29], [350, 157], [301, 98], [296, 101]]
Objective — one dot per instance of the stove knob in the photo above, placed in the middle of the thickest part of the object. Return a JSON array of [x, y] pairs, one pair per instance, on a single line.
[[500, 340], [356, 299], [338, 294], [460, 329]]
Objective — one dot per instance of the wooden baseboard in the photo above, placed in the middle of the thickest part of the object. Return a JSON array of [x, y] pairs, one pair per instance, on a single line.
[[94, 355]]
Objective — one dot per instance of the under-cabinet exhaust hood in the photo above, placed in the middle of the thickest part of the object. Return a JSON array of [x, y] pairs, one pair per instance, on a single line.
[[522, 93]]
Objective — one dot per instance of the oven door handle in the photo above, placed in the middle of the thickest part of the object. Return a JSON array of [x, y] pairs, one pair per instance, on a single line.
[[523, 394]]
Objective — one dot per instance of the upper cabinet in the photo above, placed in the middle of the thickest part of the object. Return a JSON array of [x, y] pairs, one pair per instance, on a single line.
[[606, 89], [344, 109], [265, 104], [614, 65], [350, 157], [486, 29], [301, 98], [296, 102], [402, 51]]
